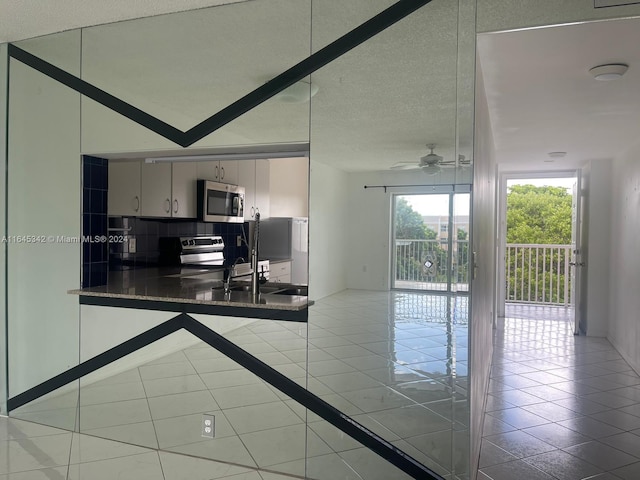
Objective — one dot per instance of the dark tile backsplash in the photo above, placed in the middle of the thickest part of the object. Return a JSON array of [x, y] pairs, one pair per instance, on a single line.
[[147, 232], [95, 257]]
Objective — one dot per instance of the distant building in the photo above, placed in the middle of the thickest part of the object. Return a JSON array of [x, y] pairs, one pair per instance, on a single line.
[[440, 225]]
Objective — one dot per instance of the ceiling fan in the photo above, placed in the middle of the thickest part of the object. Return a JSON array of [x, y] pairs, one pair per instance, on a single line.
[[431, 163]]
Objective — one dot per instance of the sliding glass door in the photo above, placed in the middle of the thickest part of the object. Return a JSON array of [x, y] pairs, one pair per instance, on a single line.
[[430, 248]]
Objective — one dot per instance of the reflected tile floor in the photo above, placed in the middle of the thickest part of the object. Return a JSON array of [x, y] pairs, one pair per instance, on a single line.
[[559, 406], [394, 361]]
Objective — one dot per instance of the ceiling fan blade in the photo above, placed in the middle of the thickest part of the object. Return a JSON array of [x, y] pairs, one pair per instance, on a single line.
[[404, 166]]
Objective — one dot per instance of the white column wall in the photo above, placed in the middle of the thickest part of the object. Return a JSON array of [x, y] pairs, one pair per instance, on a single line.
[[483, 242], [624, 306], [328, 225], [597, 259]]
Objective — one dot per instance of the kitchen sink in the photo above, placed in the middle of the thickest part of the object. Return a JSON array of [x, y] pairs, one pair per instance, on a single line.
[[292, 291], [247, 288]]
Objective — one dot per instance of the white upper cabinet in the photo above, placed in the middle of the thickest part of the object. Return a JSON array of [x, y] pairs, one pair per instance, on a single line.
[[169, 190], [223, 171], [156, 190], [124, 195], [253, 175], [184, 178]]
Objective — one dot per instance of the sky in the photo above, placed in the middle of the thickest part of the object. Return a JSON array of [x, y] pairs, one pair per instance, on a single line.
[[438, 204]]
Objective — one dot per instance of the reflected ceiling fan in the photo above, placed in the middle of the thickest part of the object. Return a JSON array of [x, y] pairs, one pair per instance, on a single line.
[[431, 163]]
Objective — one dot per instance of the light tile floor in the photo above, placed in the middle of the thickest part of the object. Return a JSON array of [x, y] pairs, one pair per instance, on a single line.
[[396, 362], [560, 406]]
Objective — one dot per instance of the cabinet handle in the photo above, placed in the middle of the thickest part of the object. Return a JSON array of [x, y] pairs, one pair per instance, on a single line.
[[253, 212], [137, 199], [221, 173], [168, 209], [175, 203], [217, 172]]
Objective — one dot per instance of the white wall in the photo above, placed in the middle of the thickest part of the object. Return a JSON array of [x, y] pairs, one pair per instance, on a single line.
[[289, 187], [624, 306], [328, 223], [44, 199], [597, 257], [370, 223], [483, 241]]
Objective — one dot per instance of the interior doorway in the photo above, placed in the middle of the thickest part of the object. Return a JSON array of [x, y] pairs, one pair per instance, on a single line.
[[430, 242], [540, 257]]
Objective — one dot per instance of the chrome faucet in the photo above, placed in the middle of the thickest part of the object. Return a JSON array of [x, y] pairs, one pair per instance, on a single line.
[[255, 284], [229, 273]]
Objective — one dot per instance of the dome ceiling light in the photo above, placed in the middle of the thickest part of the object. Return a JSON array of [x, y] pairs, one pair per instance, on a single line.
[[610, 71]]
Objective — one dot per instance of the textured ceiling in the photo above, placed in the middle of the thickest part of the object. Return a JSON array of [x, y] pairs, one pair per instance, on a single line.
[[379, 104], [20, 19]]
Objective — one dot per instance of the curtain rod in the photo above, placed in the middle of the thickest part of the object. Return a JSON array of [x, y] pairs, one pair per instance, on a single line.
[[452, 185]]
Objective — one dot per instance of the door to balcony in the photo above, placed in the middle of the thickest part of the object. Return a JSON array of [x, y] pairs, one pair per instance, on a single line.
[[430, 248]]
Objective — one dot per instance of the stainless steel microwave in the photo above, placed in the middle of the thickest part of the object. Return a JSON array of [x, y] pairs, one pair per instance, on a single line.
[[220, 202]]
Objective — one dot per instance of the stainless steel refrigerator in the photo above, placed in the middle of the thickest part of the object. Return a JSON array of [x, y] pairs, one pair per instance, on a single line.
[[287, 238]]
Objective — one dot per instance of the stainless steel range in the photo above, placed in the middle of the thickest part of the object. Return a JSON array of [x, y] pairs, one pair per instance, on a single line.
[[205, 251]]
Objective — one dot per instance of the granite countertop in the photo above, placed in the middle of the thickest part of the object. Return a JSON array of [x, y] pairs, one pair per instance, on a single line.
[[188, 286]]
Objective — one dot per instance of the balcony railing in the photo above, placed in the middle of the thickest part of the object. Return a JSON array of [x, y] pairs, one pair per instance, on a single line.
[[538, 273], [424, 264]]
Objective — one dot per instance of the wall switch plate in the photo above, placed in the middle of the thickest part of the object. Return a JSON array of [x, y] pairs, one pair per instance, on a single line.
[[208, 426], [132, 245], [239, 241]]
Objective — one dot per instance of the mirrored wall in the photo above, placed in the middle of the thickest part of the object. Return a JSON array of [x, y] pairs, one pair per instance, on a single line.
[[392, 115]]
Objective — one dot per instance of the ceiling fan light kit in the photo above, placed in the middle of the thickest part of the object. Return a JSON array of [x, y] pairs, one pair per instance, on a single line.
[[432, 163]]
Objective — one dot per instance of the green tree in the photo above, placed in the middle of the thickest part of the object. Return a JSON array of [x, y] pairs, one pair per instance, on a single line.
[[409, 223], [411, 254], [538, 215]]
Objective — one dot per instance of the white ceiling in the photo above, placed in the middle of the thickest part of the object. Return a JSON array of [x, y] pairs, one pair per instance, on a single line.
[[20, 19], [381, 103], [542, 98]]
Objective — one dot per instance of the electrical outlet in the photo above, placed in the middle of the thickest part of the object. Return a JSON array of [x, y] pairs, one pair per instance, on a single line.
[[208, 426], [132, 245], [239, 241]]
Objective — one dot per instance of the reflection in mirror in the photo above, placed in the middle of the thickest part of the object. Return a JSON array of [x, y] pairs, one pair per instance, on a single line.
[[43, 203], [184, 67], [395, 361], [183, 396]]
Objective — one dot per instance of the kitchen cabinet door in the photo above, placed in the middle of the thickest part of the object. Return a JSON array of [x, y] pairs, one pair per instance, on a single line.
[[262, 188], [229, 172], [156, 190], [184, 176], [280, 272], [123, 197], [225, 171], [247, 179], [208, 170], [253, 175]]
